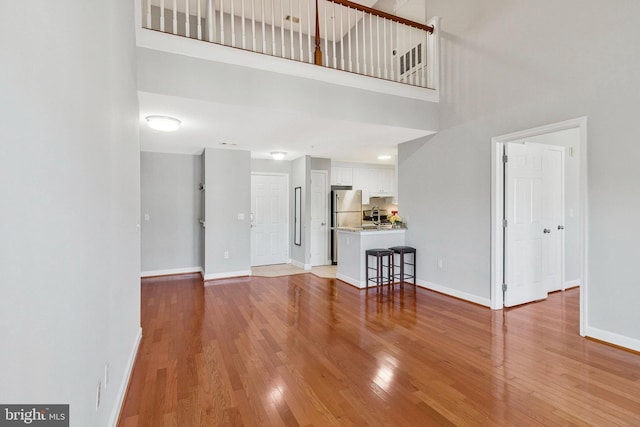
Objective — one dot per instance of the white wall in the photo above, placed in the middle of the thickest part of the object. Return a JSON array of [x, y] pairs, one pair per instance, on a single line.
[[509, 66], [301, 177], [171, 237], [228, 194], [69, 179]]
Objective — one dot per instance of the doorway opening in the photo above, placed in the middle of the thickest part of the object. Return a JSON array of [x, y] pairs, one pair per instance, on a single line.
[[571, 134]]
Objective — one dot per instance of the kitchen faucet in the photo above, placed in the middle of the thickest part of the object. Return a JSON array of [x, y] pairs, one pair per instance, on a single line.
[[376, 209]]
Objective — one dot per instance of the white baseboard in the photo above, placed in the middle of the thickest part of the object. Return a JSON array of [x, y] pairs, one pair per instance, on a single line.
[[124, 383], [613, 338], [455, 293], [572, 284], [171, 271], [301, 265], [349, 280], [227, 274]]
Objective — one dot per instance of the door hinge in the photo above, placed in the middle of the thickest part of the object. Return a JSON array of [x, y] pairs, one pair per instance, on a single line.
[[504, 287], [505, 158], [504, 223]]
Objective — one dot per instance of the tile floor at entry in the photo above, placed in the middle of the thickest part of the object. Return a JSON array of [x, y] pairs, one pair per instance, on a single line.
[[326, 271]]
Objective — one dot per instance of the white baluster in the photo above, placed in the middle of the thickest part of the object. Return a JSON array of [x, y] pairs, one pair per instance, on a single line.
[[291, 54], [378, 45], [349, 37], [162, 15], [199, 21], [414, 56], [300, 31], [253, 24], [309, 31], [273, 29], [264, 32], [211, 18], [175, 16], [357, 43], [333, 25], [373, 70], [393, 57], [222, 22], [403, 78], [283, 52], [422, 42], [232, 17], [384, 38], [342, 39], [364, 42], [244, 33], [187, 29], [326, 34]]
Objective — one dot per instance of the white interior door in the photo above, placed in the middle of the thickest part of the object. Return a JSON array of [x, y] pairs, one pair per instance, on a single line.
[[269, 219], [553, 216], [319, 218], [524, 231], [534, 200]]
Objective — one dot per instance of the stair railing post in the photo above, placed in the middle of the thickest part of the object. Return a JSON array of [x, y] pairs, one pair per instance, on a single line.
[[318, 52]]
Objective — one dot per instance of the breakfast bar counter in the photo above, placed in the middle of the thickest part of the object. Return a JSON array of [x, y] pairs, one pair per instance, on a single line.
[[352, 244]]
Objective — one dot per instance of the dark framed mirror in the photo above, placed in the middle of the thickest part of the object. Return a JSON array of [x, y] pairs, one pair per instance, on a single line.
[[297, 216]]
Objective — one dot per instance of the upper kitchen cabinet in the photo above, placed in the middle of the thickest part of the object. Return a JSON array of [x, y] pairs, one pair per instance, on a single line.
[[374, 182], [341, 176]]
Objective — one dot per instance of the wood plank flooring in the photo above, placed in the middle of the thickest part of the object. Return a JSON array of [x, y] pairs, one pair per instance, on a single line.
[[307, 351]]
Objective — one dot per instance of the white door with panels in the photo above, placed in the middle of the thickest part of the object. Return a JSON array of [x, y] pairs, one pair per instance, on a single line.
[[319, 218], [534, 200], [269, 219]]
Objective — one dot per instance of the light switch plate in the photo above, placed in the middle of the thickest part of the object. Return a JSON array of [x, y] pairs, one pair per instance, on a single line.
[[240, 216]]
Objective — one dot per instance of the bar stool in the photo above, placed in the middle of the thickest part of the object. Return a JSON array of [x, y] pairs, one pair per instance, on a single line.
[[402, 251], [379, 278]]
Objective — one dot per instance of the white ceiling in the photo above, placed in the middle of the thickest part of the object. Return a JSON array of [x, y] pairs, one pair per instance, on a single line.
[[261, 131]]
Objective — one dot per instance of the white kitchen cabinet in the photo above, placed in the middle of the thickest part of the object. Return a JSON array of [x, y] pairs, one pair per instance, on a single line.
[[374, 182], [341, 176], [362, 181]]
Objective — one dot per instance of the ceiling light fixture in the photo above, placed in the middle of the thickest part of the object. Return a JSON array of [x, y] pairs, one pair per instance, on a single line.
[[278, 155], [163, 123], [384, 157]]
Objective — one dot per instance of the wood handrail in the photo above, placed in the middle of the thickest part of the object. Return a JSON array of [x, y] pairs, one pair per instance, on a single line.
[[347, 3]]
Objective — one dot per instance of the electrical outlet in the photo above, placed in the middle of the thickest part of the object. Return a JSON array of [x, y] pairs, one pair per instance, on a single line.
[[226, 254], [440, 263], [106, 375], [98, 391], [146, 217]]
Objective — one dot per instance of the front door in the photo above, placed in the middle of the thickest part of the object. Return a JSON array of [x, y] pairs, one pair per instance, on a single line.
[[269, 219], [533, 211], [319, 218]]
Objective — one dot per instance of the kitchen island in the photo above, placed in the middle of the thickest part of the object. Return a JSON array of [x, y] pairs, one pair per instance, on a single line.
[[352, 242]]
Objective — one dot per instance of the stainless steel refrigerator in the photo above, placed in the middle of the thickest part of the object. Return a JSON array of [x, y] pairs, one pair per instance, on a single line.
[[346, 211]]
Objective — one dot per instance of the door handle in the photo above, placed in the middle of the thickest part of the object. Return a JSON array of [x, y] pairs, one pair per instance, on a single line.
[[561, 227], [323, 223], [546, 231]]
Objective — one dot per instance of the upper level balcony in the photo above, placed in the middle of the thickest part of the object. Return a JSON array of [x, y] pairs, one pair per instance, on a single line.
[[330, 60]]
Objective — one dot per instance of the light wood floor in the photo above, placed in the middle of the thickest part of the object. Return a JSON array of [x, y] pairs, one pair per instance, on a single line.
[[303, 350]]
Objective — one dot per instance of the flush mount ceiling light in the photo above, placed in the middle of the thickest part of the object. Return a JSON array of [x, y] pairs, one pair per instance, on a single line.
[[278, 155], [163, 123], [384, 157]]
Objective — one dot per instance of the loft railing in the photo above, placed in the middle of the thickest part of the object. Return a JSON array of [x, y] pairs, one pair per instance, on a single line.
[[337, 34]]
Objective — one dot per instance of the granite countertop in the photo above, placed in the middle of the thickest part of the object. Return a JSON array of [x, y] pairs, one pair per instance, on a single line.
[[383, 228]]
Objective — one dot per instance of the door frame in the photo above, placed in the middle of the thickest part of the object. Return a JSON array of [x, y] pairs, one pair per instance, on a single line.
[[327, 257], [287, 213], [497, 207]]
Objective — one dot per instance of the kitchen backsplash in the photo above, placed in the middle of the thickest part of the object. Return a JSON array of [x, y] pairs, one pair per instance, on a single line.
[[382, 203]]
